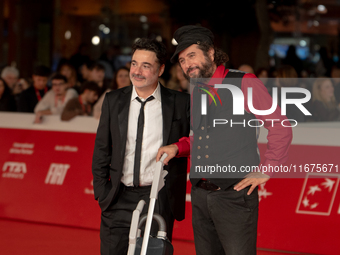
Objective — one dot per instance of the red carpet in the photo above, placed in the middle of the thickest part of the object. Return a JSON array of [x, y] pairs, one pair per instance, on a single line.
[[18, 237]]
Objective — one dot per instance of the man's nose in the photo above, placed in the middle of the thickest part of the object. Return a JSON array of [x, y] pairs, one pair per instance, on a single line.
[[185, 66], [190, 63], [138, 70]]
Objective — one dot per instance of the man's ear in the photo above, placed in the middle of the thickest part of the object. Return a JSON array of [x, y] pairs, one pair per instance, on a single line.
[[161, 70], [211, 54]]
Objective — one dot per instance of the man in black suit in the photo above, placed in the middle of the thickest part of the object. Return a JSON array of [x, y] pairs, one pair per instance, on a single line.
[[135, 122]]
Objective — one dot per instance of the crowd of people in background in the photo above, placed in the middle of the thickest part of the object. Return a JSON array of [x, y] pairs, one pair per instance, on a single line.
[[67, 92], [78, 86], [323, 83]]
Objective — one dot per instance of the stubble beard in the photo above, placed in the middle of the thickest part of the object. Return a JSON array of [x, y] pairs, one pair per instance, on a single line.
[[204, 72]]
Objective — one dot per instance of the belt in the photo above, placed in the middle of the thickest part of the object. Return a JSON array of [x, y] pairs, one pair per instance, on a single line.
[[136, 188], [207, 185]]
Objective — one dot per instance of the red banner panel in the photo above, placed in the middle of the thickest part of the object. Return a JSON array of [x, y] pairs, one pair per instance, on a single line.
[[46, 177]]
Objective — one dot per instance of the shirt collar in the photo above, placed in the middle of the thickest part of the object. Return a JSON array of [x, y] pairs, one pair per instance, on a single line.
[[156, 94], [217, 77], [219, 74]]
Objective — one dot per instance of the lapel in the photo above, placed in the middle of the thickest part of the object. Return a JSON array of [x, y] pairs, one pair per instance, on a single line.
[[168, 105], [123, 116]]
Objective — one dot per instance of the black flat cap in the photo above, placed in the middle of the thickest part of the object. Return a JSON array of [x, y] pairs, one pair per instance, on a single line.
[[187, 35]]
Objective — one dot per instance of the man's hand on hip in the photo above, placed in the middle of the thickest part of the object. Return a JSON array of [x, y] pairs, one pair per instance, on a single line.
[[253, 179], [171, 150]]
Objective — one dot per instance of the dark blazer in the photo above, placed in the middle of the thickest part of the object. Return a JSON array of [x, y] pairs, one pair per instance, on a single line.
[[28, 99], [109, 150]]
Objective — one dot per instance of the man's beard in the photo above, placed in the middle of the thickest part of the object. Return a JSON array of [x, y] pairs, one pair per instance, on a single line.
[[204, 72]]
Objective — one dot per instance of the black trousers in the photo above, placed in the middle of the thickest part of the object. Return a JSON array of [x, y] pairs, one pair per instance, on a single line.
[[224, 221], [116, 220]]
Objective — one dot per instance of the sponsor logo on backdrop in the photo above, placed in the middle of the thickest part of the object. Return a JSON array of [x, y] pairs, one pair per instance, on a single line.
[[263, 193], [89, 190], [66, 148], [56, 174], [318, 194], [22, 148], [15, 170]]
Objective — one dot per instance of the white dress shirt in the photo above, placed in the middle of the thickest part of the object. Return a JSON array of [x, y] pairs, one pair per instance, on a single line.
[[49, 102], [152, 138]]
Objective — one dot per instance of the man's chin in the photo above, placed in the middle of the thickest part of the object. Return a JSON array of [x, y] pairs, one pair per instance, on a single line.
[[139, 84], [194, 76]]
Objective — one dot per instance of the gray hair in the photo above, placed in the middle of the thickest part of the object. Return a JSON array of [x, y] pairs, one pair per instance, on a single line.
[[9, 70]]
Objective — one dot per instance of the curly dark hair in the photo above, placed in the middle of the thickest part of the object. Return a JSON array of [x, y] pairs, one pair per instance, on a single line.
[[220, 57], [90, 85], [151, 45], [97, 66], [58, 76]]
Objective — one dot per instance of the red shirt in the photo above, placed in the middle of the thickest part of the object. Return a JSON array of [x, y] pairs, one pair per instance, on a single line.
[[279, 137]]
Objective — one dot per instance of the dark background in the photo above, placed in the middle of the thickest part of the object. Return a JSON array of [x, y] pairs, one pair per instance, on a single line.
[[33, 31]]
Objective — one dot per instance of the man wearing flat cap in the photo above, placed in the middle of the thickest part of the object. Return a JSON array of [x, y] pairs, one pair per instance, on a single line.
[[224, 205]]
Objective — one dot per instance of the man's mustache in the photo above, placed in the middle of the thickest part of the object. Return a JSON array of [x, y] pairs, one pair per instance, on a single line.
[[138, 76], [191, 68]]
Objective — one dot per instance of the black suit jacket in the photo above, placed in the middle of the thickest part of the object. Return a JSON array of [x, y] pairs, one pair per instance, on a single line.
[[109, 150], [28, 99]]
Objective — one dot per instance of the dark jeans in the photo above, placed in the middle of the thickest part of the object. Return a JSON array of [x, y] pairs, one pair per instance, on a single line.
[[224, 221], [116, 220]]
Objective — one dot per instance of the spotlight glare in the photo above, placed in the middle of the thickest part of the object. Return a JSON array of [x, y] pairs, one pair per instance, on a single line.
[[95, 40], [303, 43], [143, 18], [159, 38], [106, 30], [68, 35], [321, 8]]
